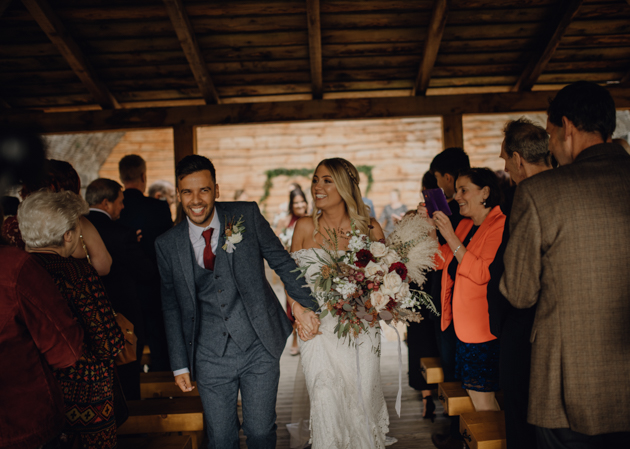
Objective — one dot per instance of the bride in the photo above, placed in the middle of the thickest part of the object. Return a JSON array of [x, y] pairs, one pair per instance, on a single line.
[[347, 407]]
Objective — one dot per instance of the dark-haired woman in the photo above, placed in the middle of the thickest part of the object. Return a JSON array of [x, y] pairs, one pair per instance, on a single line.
[[468, 253], [298, 208]]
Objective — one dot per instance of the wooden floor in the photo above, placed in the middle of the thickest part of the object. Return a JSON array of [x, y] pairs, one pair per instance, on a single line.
[[410, 429]]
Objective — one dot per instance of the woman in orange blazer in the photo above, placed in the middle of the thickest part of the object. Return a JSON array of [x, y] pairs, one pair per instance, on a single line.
[[468, 253]]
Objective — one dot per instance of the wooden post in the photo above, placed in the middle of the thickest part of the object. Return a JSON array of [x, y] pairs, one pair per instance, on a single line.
[[184, 141], [452, 131]]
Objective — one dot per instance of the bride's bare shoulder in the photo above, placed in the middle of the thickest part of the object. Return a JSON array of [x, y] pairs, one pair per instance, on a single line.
[[303, 228]]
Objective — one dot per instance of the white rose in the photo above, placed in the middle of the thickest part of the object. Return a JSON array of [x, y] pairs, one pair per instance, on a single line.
[[235, 238], [372, 268], [403, 293], [391, 284], [391, 257], [379, 300], [378, 249]]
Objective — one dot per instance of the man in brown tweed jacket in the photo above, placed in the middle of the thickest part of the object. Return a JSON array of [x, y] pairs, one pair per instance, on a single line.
[[569, 253]]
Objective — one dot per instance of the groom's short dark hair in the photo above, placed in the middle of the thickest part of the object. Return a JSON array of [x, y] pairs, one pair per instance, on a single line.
[[194, 163]]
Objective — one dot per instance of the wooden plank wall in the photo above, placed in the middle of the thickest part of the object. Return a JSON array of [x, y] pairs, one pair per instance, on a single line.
[[400, 149]]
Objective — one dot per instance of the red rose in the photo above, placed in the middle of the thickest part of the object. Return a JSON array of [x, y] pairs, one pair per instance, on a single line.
[[400, 269], [363, 258]]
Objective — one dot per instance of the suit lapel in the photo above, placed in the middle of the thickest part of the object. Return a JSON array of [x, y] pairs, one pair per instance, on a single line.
[[227, 257], [186, 257]]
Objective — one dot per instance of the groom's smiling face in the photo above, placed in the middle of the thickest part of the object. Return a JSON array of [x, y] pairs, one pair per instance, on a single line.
[[197, 192]]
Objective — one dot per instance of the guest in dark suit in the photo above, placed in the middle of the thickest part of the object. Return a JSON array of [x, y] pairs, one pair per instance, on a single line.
[[568, 255], [446, 167], [151, 217], [129, 266], [525, 150]]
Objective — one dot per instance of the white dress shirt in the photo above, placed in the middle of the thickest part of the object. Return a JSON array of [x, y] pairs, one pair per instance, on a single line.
[[199, 244]]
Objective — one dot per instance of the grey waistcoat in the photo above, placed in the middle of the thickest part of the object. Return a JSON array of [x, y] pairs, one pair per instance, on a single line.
[[222, 312]]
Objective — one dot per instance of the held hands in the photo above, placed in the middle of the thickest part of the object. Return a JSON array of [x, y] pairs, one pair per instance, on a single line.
[[184, 383], [307, 322]]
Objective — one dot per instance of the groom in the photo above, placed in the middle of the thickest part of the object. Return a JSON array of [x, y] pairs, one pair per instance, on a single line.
[[224, 325]]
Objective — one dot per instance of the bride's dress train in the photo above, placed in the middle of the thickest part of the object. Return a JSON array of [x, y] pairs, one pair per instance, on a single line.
[[338, 417]]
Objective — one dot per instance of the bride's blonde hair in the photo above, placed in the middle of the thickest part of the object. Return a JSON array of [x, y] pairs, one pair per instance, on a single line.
[[346, 178]]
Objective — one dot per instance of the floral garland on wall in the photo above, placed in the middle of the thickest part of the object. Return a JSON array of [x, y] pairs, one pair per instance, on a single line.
[[307, 172]]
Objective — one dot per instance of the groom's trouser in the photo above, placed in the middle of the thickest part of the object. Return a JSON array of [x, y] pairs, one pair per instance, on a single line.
[[256, 373]]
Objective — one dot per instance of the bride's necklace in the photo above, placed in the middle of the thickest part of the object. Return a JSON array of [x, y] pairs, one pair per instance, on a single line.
[[338, 230]]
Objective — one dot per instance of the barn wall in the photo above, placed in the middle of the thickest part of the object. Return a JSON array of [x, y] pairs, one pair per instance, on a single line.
[[399, 149]]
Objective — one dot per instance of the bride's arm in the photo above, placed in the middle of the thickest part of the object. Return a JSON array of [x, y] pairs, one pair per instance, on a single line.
[[376, 233], [308, 323]]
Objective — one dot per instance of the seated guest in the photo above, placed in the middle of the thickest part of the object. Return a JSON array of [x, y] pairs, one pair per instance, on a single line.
[[163, 191], [59, 176], [130, 267], [50, 226], [468, 253]]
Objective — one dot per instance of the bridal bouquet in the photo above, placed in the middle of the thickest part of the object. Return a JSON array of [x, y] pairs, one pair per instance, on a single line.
[[370, 281]]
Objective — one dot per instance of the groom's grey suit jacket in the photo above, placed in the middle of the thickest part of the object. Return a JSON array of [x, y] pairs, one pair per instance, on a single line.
[[239, 275]]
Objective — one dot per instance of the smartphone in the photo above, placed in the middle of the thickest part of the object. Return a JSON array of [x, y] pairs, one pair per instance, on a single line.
[[435, 200]]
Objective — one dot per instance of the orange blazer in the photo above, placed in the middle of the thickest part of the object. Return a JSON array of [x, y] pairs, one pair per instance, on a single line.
[[467, 304]]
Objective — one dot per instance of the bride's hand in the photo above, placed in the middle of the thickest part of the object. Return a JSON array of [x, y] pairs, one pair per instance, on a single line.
[[307, 321]]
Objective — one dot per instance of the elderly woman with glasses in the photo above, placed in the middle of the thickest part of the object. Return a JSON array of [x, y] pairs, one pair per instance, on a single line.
[[50, 227]]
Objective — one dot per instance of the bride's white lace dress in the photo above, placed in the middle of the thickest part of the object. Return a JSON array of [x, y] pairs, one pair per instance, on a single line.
[[339, 419]]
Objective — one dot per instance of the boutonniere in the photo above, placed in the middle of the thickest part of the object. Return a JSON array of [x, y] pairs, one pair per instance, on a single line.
[[233, 234]]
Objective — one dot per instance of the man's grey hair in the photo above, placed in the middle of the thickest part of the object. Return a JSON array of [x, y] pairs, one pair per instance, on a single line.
[[102, 189], [527, 139], [44, 217], [163, 187]]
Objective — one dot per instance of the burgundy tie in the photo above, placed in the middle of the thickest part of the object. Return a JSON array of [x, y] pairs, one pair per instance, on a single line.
[[208, 255]]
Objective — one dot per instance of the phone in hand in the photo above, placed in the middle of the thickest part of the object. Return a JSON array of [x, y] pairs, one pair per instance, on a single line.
[[435, 200]]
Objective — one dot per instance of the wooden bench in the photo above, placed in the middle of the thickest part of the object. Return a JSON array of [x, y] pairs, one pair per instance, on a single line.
[[431, 369], [483, 430], [156, 442], [162, 415], [161, 384], [454, 398]]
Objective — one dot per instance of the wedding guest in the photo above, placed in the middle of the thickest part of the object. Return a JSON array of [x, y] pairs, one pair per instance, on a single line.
[[568, 255], [50, 227], [446, 166], [163, 191], [422, 336], [298, 208], [151, 217], [59, 176], [39, 334], [9, 205], [467, 255], [363, 185], [392, 213], [525, 150], [130, 265]]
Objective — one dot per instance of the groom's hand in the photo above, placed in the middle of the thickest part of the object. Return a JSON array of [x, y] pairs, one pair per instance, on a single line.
[[184, 383], [308, 323]]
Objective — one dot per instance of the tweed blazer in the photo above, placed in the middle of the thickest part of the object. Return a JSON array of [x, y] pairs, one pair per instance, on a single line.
[[179, 298], [465, 301], [569, 253]]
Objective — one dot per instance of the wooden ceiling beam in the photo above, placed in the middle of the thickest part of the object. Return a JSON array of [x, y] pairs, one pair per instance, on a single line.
[[315, 47], [56, 32], [308, 110], [431, 46], [190, 46], [4, 4], [537, 64]]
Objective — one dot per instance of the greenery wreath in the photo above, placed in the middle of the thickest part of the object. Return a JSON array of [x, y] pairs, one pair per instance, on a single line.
[[291, 172]]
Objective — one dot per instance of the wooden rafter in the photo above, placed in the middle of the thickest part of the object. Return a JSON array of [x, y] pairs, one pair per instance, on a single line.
[[538, 63], [315, 47], [625, 81], [4, 4], [56, 32], [431, 46], [190, 46], [307, 110]]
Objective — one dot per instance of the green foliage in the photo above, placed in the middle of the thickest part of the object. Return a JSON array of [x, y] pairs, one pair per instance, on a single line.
[[307, 172]]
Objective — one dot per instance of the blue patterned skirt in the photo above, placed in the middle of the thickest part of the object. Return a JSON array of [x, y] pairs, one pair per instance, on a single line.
[[477, 365]]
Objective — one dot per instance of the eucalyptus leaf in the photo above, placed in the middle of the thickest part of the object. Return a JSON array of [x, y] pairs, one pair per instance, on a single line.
[[323, 314], [347, 307]]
